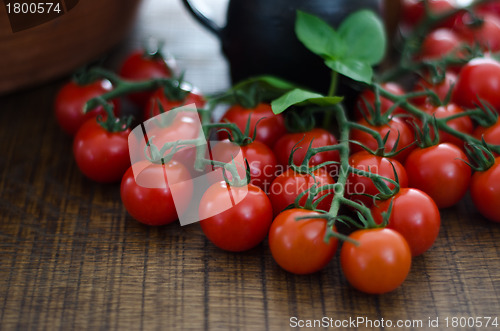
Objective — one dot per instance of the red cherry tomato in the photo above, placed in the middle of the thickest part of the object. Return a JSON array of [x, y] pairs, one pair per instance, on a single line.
[[491, 134], [319, 138], [261, 159], [485, 192], [441, 89], [487, 35], [491, 7], [101, 155], [152, 108], [396, 127], [173, 127], [245, 222], [379, 264], [288, 186], [382, 166], [140, 66], [413, 11], [298, 246], [478, 80], [440, 172], [269, 126], [70, 100], [439, 43], [368, 97], [155, 206], [463, 124], [415, 215]]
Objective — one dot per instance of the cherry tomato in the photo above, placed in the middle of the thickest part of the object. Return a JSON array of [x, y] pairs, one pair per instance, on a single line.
[[415, 215], [319, 138], [175, 126], [269, 126], [463, 124], [491, 134], [298, 246], [379, 264], [140, 66], [413, 11], [478, 80], [441, 89], [368, 97], [491, 7], [440, 172], [155, 205], [439, 43], [152, 108], [485, 192], [288, 186], [487, 35], [101, 155], [375, 164], [70, 100], [396, 127], [261, 159], [235, 219]]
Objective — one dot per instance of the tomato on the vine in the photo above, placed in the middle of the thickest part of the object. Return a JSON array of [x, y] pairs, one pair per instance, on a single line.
[[298, 246], [462, 124], [138, 66], [357, 184], [441, 89], [379, 263], [413, 11], [439, 171], [155, 205], [302, 140], [486, 34], [269, 125], [260, 158], [367, 97], [479, 80], [491, 134], [101, 155], [72, 97], [396, 128], [485, 191], [414, 214], [189, 96], [245, 221], [440, 43], [288, 186]]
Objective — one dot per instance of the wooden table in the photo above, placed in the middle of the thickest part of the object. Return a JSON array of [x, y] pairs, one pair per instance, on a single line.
[[71, 258]]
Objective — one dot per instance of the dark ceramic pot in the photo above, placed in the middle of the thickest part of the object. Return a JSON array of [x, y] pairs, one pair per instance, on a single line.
[[259, 37]]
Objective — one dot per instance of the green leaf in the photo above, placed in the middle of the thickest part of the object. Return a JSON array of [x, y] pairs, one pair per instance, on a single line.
[[352, 68], [326, 101], [266, 80], [364, 32], [318, 36], [298, 96]]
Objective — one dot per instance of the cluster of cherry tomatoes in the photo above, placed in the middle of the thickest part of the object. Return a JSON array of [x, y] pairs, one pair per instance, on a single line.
[[399, 181]]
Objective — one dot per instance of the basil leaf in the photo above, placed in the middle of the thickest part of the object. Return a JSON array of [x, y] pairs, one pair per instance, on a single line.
[[364, 33], [299, 96], [318, 36], [352, 68]]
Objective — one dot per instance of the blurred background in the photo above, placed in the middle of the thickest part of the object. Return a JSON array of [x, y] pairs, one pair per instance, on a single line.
[[94, 28]]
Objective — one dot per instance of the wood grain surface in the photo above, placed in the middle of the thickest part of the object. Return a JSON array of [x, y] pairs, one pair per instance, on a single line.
[[71, 258]]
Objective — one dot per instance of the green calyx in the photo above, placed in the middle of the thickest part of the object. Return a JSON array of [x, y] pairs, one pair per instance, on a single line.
[[481, 156], [110, 122]]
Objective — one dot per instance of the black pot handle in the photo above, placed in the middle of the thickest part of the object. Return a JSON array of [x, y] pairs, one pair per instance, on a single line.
[[205, 21]]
